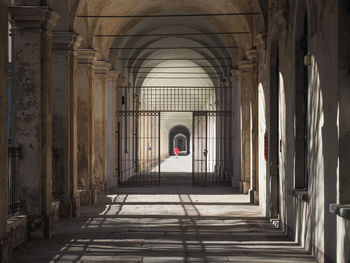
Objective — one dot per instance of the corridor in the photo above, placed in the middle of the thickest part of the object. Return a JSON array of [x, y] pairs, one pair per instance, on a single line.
[[182, 164], [186, 225], [96, 97]]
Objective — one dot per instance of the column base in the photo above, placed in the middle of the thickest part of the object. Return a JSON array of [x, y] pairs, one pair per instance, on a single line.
[[66, 209], [76, 207], [70, 208], [5, 251], [254, 196], [87, 197], [245, 187], [40, 227]]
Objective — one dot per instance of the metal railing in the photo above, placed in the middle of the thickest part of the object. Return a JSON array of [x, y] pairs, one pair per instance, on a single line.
[[15, 202]]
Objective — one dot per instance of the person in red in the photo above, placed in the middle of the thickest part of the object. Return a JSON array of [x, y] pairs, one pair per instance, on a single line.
[[176, 151]]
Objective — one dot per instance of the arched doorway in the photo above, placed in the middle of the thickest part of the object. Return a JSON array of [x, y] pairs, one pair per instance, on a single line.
[[180, 142], [179, 136]]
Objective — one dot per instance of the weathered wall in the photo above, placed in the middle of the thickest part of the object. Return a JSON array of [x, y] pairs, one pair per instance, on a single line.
[[308, 220], [32, 124]]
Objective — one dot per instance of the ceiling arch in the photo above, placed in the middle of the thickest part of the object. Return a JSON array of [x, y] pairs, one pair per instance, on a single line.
[[88, 27]]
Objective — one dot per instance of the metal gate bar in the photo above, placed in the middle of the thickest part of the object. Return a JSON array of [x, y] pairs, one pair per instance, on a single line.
[[212, 144], [139, 148], [178, 99]]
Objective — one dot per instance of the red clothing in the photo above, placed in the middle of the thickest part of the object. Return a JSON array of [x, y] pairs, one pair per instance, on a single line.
[[176, 151]]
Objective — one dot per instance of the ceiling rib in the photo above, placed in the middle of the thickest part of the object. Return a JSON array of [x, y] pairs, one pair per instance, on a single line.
[[175, 34], [186, 73], [177, 67], [171, 15], [169, 48], [170, 59]]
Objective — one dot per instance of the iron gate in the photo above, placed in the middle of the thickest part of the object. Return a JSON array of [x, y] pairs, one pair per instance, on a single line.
[[138, 149], [212, 148]]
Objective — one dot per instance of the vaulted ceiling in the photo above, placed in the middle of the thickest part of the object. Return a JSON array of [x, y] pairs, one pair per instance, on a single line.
[[166, 36]]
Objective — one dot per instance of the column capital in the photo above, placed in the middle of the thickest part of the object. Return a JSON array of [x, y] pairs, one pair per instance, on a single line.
[[113, 75], [261, 40], [245, 66], [236, 74], [65, 41], [252, 55], [101, 67], [29, 17], [85, 56]]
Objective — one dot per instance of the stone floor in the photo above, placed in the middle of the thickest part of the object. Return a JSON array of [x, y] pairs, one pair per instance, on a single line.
[[182, 164], [167, 224]]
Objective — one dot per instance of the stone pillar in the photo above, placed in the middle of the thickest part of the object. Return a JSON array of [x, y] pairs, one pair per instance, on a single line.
[[32, 119], [3, 129], [236, 82], [99, 111], [245, 71], [111, 129], [86, 183], [254, 101], [250, 121], [64, 123], [344, 102]]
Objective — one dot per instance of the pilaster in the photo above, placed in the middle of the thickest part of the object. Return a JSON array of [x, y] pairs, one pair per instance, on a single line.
[[84, 77], [112, 77], [65, 123], [236, 83], [254, 93], [99, 91], [32, 123], [249, 100], [245, 68]]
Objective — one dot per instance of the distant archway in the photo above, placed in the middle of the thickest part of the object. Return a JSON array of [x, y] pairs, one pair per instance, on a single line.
[[180, 141], [176, 134]]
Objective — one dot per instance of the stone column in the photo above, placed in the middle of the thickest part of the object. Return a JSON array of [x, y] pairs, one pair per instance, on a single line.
[[245, 72], [3, 129], [32, 119], [250, 123], [99, 111], [254, 94], [344, 102], [236, 82], [64, 123], [112, 128], [86, 184]]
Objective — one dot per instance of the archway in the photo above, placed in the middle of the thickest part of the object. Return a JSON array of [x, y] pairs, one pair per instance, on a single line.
[[176, 133], [180, 142]]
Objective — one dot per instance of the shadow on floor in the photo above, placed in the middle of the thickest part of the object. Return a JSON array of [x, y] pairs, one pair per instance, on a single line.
[[127, 227]]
